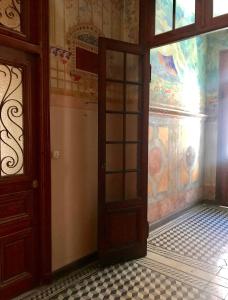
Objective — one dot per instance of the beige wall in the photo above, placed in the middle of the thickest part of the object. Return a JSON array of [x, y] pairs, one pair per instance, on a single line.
[[74, 118]]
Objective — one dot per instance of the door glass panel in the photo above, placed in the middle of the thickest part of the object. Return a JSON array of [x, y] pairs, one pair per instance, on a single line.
[[114, 127], [131, 127], [114, 96], [131, 156], [131, 186], [10, 14], [132, 71], [114, 187], [132, 98], [163, 16], [11, 121], [220, 7], [185, 13], [114, 157], [115, 65]]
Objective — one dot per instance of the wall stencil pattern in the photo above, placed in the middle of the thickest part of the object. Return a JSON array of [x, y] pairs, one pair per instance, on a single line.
[[75, 28]]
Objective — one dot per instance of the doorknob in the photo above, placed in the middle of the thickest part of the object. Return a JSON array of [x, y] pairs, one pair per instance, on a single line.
[[35, 184]]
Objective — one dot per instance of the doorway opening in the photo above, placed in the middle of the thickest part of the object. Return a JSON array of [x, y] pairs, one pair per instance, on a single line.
[[185, 93]]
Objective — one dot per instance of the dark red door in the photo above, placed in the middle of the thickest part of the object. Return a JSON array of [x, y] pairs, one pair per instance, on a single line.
[[18, 172], [123, 134], [25, 250]]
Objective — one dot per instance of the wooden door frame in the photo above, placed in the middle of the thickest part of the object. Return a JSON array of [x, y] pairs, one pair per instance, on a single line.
[[35, 41], [204, 24]]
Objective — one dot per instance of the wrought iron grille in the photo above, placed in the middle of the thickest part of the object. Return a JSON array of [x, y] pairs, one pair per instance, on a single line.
[[10, 14], [11, 121]]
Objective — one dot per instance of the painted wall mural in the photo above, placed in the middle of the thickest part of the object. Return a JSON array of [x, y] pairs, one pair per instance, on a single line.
[[178, 75], [175, 163], [176, 142], [185, 76]]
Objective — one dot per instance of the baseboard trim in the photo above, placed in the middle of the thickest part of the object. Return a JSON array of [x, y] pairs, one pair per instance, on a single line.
[[82, 262], [163, 221], [213, 202]]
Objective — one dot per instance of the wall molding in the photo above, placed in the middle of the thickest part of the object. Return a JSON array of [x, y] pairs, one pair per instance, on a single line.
[[174, 112]]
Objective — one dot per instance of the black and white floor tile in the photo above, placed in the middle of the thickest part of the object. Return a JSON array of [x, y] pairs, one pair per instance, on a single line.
[[187, 259]]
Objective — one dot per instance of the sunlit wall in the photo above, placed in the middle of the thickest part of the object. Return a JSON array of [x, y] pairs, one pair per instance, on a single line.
[[176, 141]]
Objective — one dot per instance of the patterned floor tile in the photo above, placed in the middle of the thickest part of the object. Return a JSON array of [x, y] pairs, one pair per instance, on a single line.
[[198, 240]]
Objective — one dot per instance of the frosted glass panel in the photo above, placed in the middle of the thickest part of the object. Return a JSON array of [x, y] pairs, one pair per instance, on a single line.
[[185, 13], [10, 14], [11, 121], [220, 7], [164, 16]]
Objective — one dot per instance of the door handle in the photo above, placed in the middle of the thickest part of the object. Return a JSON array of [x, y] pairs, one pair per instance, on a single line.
[[35, 184]]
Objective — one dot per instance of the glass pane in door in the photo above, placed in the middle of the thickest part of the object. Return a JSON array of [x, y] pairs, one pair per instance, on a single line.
[[132, 124], [114, 187], [114, 127], [132, 68], [185, 13], [11, 121], [114, 157], [114, 96], [114, 65], [10, 14], [220, 7], [132, 98], [131, 186], [163, 16], [131, 156]]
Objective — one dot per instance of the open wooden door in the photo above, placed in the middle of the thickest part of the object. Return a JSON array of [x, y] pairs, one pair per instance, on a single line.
[[123, 145]]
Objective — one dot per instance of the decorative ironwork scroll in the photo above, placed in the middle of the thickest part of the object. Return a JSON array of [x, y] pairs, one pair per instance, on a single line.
[[10, 14], [11, 121]]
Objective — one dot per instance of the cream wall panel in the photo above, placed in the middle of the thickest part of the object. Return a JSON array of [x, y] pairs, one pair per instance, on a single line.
[[74, 184]]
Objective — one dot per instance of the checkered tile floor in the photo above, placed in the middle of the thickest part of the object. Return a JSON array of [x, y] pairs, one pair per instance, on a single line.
[[201, 234], [132, 281]]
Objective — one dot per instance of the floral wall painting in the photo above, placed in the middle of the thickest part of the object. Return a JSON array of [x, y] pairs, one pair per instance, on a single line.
[[173, 67]]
